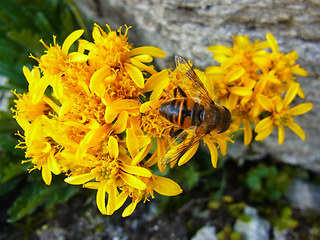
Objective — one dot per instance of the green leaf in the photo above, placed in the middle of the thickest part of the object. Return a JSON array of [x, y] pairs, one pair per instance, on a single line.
[[35, 195]]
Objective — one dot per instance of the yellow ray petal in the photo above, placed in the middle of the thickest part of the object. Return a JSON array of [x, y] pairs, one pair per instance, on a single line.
[[247, 132], [297, 130], [264, 124], [101, 198], [265, 102], [121, 124], [112, 199], [135, 74], [213, 153], [235, 74], [166, 186], [241, 91], [133, 181], [188, 155], [46, 174], [148, 50], [220, 50], [113, 147], [290, 95], [281, 134], [121, 200], [132, 142], [70, 40], [53, 165], [301, 109], [78, 57], [96, 81], [272, 42], [140, 171], [155, 80], [80, 179], [129, 209]]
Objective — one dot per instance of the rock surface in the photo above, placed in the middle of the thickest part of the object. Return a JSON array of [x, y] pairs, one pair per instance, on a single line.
[[188, 27], [304, 195], [256, 228]]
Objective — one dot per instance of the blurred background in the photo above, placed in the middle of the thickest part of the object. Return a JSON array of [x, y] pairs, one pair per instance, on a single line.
[[263, 191]]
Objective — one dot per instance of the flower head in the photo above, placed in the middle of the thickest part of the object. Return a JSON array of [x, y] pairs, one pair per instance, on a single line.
[[248, 71], [87, 124], [281, 115]]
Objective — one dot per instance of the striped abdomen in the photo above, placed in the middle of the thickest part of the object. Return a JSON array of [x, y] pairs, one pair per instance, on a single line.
[[184, 112]]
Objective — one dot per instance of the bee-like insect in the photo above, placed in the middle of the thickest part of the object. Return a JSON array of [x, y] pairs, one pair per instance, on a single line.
[[193, 117]]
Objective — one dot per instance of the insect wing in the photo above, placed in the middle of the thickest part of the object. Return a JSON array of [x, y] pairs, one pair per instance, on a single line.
[[180, 145], [192, 82]]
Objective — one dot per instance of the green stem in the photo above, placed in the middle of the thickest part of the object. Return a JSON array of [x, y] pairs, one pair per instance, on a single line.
[[79, 17]]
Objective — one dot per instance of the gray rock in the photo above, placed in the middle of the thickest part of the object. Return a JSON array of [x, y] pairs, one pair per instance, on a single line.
[[304, 195], [188, 27], [257, 228], [205, 233]]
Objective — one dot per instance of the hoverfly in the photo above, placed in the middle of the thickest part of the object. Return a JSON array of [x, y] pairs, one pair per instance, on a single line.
[[194, 117]]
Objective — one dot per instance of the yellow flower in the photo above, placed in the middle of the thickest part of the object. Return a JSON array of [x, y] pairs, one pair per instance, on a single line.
[[247, 70], [281, 115], [57, 59], [42, 150], [87, 123]]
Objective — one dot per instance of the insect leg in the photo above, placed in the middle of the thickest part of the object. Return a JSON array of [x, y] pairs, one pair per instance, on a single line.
[[181, 92]]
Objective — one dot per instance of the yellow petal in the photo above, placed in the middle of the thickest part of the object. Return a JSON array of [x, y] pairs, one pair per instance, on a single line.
[[129, 209], [264, 124], [156, 80], [112, 199], [135, 74], [219, 49], [265, 102], [299, 71], [301, 109], [78, 57], [96, 82], [133, 181], [113, 147], [121, 124], [46, 174], [53, 165], [213, 152], [272, 42], [297, 130], [70, 40], [235, 74], [80, 179], [101, 198], [241, 91], [143, 67], [121, 200], [148, 50], [214, 70], [264, 133], [141, 155], [92, 185], [281, 134], [132, 142], [166, 186], [148, 106], [247, 132], [188, 155], [290, 95], [140, 171]]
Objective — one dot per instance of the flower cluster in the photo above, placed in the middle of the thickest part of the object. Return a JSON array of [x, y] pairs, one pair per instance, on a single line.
[[92, 111], [81, 117], [252, 81]]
